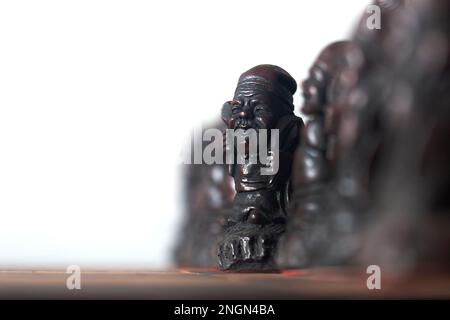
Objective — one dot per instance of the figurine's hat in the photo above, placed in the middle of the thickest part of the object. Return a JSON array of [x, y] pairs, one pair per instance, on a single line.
[[268, 79]]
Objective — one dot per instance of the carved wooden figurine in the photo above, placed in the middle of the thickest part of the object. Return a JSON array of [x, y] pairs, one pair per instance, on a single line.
[[263, 100], [320, 226]]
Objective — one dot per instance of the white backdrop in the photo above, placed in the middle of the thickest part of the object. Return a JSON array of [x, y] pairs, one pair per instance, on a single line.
[[96, 98]]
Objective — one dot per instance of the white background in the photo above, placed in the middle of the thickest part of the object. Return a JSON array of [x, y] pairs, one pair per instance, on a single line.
[[96, 98]]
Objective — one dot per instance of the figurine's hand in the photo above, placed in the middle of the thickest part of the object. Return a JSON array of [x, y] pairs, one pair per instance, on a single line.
[[242, 249], [249, 247]]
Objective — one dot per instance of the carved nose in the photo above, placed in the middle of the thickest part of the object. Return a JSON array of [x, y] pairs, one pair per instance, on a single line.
[[243, 114]]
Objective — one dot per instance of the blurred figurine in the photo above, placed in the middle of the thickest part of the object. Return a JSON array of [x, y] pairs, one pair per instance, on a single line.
[[373, 187], [263, 100], [321, 224], [332, 171], [208, 193], [370, 179], [407, 97]]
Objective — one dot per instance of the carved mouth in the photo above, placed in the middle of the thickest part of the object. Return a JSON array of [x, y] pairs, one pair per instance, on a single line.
[[243, 125]]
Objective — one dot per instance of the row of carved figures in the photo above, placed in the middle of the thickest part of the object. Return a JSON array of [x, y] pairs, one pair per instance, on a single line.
[[364, 178]]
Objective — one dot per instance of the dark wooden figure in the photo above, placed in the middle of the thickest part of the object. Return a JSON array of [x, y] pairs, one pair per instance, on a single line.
[[263, 100]]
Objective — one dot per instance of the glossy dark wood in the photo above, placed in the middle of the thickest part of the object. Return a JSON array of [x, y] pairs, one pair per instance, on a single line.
[[263, 100]]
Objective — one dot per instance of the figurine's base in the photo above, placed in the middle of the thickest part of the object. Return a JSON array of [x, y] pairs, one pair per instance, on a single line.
[[252, 267]]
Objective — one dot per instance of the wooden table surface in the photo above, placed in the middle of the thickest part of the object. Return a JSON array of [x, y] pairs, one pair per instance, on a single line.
[[211, 284]]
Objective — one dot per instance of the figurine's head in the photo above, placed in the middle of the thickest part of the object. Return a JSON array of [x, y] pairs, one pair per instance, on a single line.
[[324, 73], [263, 94]]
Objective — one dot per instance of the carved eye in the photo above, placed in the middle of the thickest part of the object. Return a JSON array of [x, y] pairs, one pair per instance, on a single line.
[[253, 103], [261, 108], [236, 109], [236, 106]]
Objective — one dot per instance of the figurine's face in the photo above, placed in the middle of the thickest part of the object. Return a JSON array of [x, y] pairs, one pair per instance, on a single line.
[[314, 88], [246, 112]]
